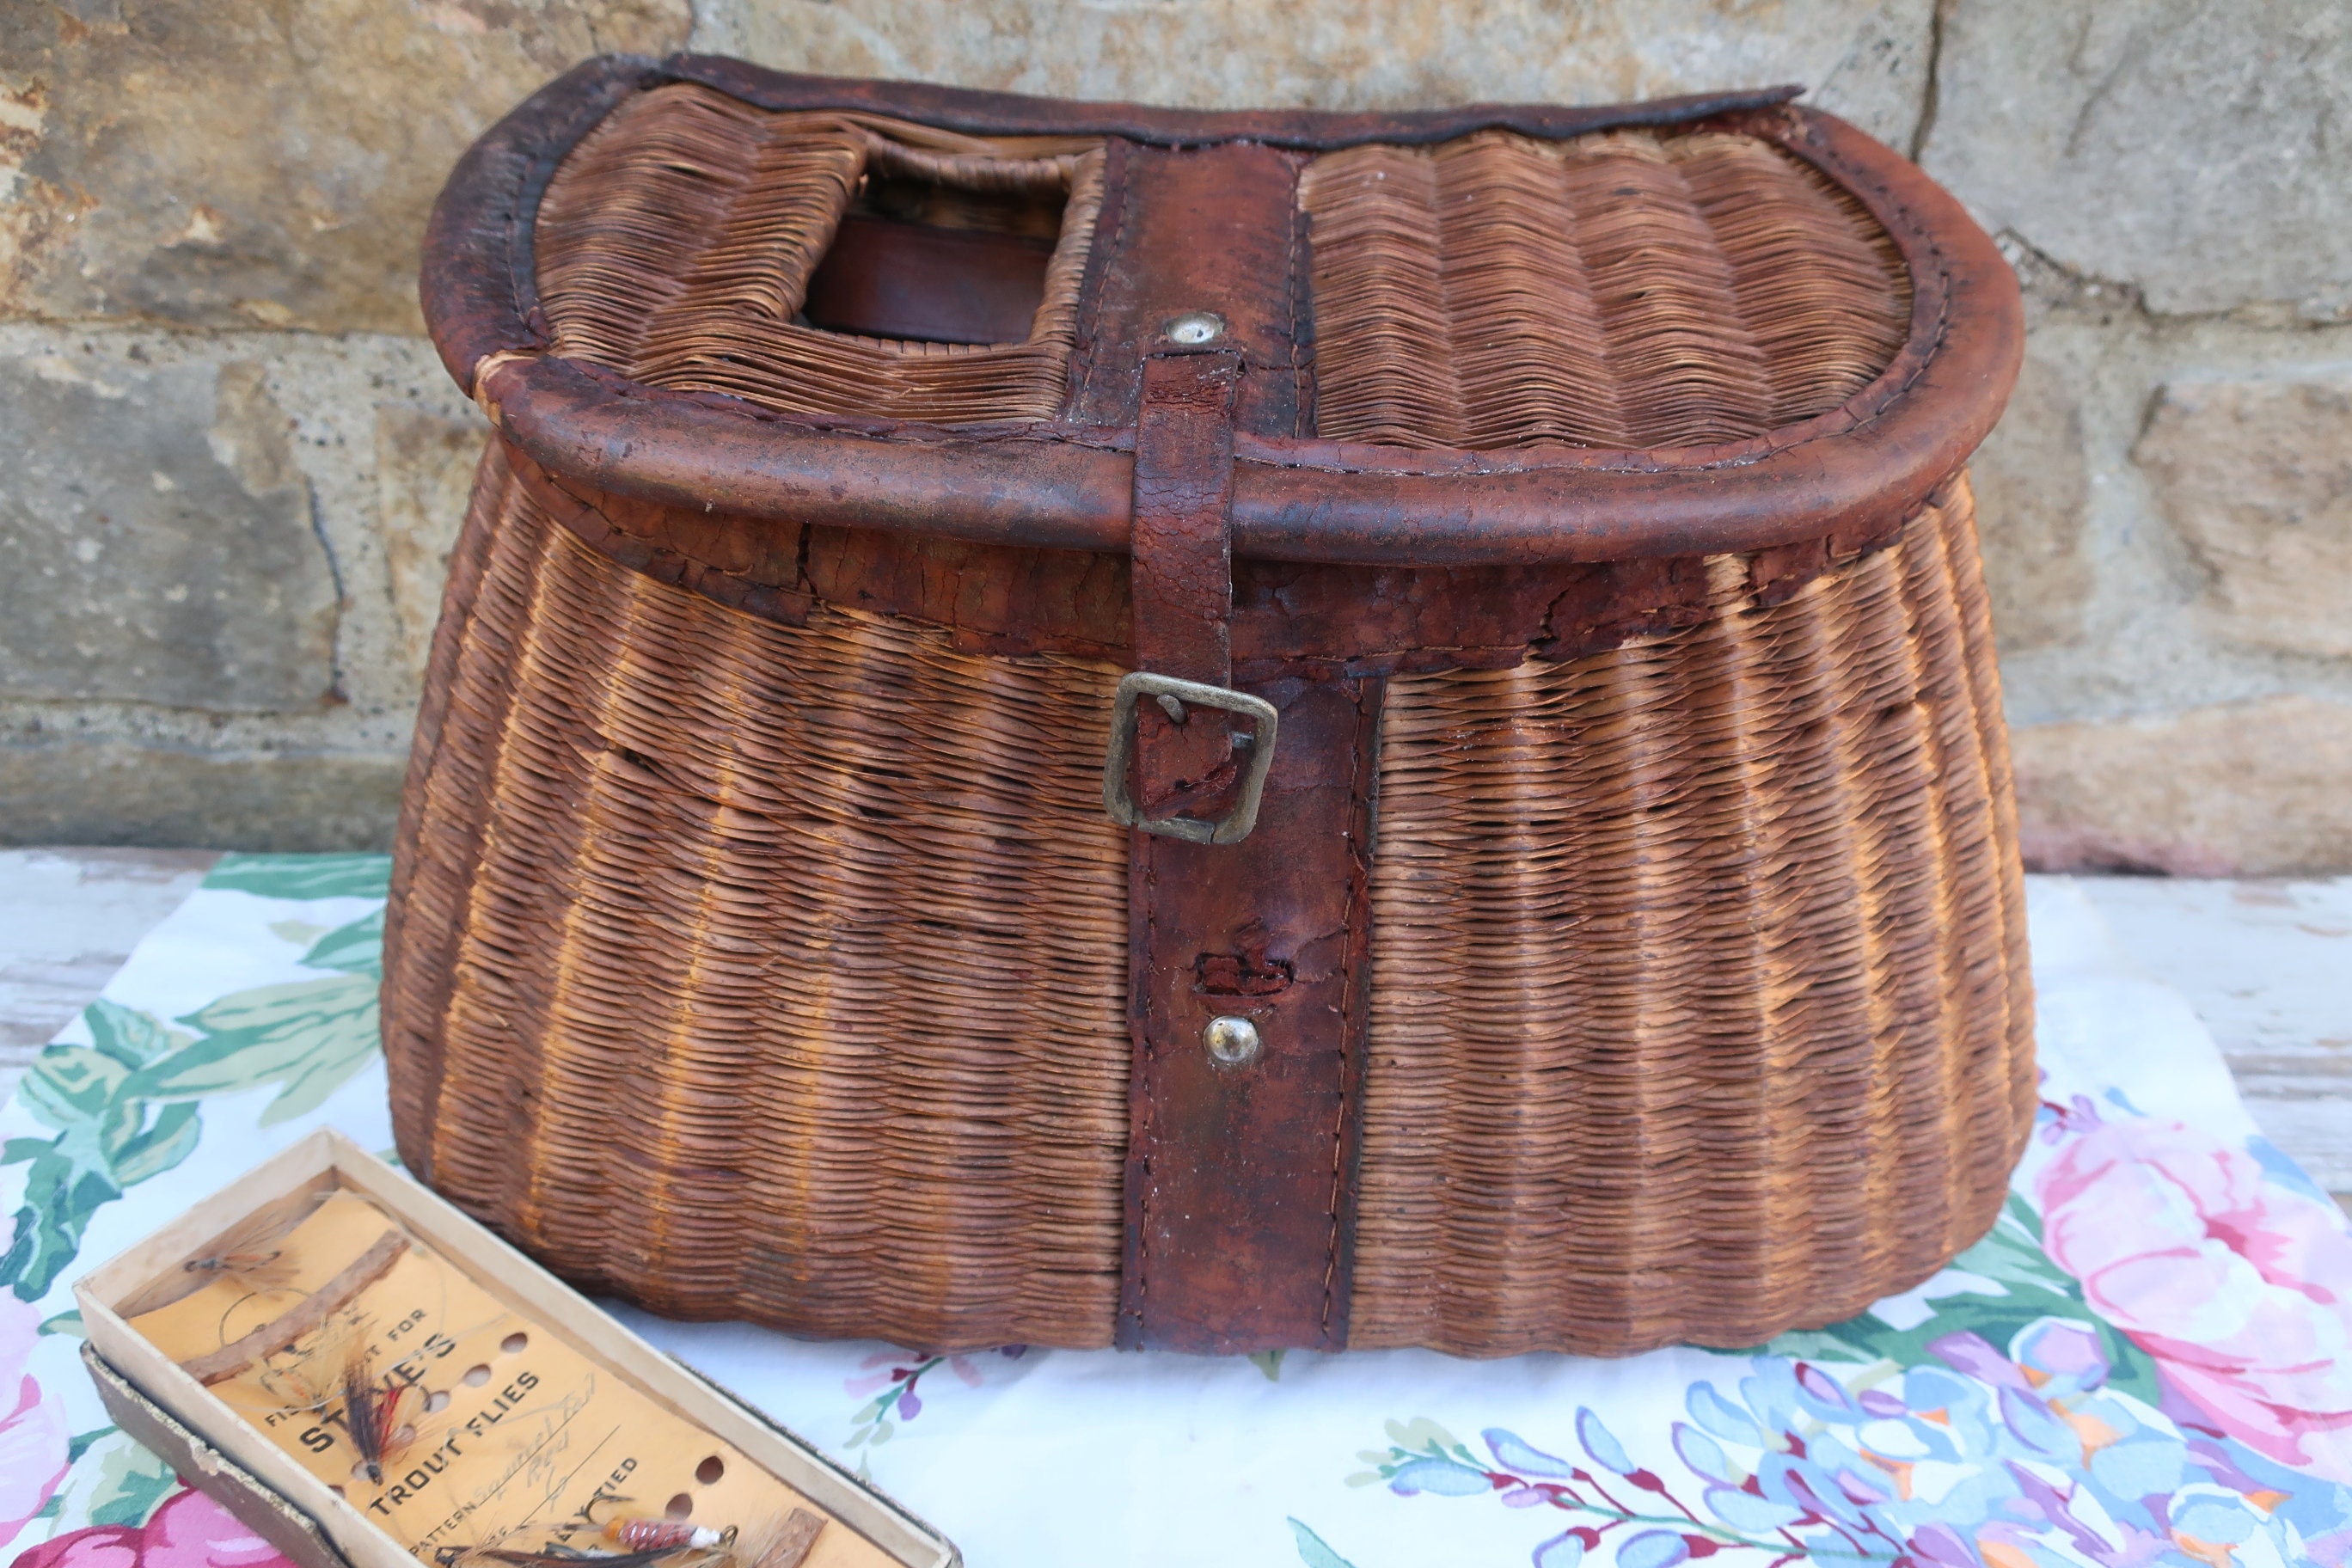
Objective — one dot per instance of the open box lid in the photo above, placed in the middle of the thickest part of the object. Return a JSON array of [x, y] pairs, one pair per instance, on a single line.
[[1489, 335], [264, 1480]]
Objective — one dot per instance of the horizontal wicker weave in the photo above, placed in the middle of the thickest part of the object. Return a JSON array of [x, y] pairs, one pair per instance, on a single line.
[[761, 947], [756, 195], [1689, 954], [862, 1060], [1622, 290], [1625, 290], [1695, 901]]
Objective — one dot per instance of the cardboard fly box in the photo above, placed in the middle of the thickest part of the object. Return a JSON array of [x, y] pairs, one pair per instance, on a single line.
[[369, 1379]]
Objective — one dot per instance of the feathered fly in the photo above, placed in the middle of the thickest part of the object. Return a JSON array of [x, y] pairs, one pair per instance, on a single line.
[[371, 1411]]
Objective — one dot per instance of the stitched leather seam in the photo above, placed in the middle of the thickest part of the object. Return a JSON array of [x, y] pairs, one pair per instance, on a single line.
[[1347, 1027], [1111, 257], [1145, 1133], [1294, 292]]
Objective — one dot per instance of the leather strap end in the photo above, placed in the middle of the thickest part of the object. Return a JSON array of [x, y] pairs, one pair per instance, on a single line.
[[1182, 580]]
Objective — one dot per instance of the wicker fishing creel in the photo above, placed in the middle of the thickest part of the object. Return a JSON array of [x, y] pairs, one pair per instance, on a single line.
[[1083, 725]]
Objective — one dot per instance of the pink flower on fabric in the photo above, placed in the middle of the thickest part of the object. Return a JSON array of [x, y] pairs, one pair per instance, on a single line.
[[2241, 1289], [100, 1546], [32, 1424], [190, 1531]]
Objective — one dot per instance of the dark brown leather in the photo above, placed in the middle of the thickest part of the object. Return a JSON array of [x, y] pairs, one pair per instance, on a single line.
[[1288, 618], [1207, 232], [891, 279], [1203, 228], [1006, 113], [1236, 1182], [1181, 573], [1067, 484], [1238, 1178]]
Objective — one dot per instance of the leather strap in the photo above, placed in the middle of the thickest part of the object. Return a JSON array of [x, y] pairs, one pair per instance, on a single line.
[[1240, 1179], [1182, 575], [1239, 1173]]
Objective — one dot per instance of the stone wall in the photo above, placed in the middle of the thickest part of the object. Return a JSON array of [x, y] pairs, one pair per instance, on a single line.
[[230, 467]]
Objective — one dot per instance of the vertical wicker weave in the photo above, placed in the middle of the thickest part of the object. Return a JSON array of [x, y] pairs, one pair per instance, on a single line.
[[760, 947]]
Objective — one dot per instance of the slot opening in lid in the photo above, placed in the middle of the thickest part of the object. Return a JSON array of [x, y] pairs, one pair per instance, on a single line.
[[925, 261]]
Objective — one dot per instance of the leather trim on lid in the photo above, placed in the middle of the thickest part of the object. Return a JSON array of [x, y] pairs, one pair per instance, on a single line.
[[1300, 130], [1875, 457]]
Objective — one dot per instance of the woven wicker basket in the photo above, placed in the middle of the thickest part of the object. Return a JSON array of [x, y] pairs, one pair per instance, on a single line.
[[1516, 562]]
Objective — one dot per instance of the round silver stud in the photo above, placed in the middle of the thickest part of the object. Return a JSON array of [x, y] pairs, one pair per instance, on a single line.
[[1231, 1042], [1194, 328]]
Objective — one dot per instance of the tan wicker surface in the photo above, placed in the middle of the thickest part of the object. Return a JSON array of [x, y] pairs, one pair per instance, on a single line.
[[1698, 996], [755, 969], [790, 980], [676, 243], [1625, 290]]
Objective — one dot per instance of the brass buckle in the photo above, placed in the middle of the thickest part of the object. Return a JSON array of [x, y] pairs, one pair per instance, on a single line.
[[1235, 825]]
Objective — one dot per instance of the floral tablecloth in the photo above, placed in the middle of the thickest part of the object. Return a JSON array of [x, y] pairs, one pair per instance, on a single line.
[[2149, 1359]]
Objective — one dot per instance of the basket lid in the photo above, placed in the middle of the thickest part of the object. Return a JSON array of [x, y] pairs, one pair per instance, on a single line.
[[1486, 335]]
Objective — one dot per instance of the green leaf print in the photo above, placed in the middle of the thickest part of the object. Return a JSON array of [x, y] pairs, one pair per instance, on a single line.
[[303, 876], [124, 1105], [263, 1036], [130, 1036], [308, 1090], [60, 1194], [105, 1140], [73, 1084], [355, 948], [2028, 1287], [114, 1480], [309, 1036], [1313, 1550], [171, 1140]]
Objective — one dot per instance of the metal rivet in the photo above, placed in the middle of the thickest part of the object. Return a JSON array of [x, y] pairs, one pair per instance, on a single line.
[[1195, 327], [1232, 1042]]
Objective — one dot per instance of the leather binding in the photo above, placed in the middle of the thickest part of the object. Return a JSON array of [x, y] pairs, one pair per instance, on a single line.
[[1236, 1176]]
